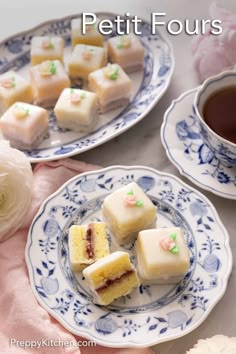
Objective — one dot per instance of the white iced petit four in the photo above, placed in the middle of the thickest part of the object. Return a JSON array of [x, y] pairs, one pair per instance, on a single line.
[[85, 59], [112, 85], [76, 110], [91, 36], [111, 277], [127, 51], [14, 88], [48, 80], [127, 211], [24, 125], [46, 48], [162, 255]]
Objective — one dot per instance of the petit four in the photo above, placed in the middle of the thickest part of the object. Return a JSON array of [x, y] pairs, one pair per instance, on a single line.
[[218, 344], [111, 277], [84, 60], [46, 48], [24, 125], [128, 211], [48, 80], [112, 85], [91, 36], [162, 256], [87, 244], [14, 88], [76, 110], [127, 51]]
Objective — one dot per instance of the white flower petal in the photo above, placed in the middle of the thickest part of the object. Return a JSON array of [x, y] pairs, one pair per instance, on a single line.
[[218, 344], [16, 180]]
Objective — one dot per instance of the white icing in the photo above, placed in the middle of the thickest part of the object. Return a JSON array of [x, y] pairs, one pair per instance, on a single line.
[[48, 88], [38, 50], [25, 130], [110, 90], [132, 56], [96, 60], [156, 264], [104, 262], [125, 220], [76, 115]]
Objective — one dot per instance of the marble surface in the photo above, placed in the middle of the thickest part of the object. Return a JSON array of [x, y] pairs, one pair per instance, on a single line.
[[141, 145]]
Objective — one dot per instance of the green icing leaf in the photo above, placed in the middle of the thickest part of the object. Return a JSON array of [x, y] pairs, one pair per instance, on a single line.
[[139, 203], [83, 95], [53, 68], [114, 76], [130, 193], [173, 236], [175, 249]]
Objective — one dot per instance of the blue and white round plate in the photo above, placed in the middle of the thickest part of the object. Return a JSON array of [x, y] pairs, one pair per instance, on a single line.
[[185, 148], [148, 87], [150, 314]]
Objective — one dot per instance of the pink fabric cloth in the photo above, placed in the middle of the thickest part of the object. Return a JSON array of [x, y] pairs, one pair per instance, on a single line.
[[213, 54], [21, 317]]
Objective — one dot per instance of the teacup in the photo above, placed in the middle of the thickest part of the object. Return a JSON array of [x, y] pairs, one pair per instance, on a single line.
[[223, 149]]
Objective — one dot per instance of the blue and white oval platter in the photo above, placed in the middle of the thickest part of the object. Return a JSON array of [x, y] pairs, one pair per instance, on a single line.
[[148, 87]]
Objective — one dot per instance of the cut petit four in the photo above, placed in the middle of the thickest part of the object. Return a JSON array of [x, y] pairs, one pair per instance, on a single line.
[[218, 344], [48, 80], [76, 110], [127, 51], [162, 256], [91, 36], [111, 277], [112, 85], [24, 125], [87, 244], [14, 88], [46, 48], [127, 211], [84, 60]]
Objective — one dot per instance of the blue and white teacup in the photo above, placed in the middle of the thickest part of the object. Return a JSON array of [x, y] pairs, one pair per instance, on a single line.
[[223, 149]]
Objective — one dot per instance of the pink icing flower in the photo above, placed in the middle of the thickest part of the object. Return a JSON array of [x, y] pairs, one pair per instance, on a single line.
[[75, 97], [130, 200], [89, 28], [8, 83], [87, 54], [47, 43], [167, 243], [20, 112]]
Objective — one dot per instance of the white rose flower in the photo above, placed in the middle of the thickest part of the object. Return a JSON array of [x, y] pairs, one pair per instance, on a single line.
[[16, 178], [216, 345]]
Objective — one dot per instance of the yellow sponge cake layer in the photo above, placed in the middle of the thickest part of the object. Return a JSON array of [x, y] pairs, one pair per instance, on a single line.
[[111, 277], [87, 243]]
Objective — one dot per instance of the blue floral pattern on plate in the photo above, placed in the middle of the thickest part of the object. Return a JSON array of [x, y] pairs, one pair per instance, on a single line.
[[150, 314], [185, 148], [148, 85]]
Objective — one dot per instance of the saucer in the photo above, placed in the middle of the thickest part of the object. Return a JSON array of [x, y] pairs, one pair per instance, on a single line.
[[185, 148]]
